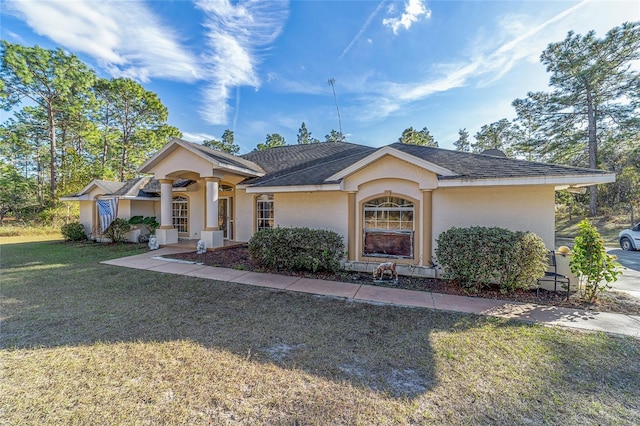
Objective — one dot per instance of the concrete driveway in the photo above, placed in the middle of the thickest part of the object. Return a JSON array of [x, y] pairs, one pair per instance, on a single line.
[[629, 281]]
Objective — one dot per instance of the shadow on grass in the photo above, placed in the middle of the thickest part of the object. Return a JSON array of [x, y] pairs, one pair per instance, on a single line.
[[384, 348], [379, 347]]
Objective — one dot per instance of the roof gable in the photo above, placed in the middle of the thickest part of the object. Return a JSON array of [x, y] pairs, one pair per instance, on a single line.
[[390, 150], [217, 159]]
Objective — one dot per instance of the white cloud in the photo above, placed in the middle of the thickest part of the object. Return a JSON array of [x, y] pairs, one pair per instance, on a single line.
[[235, 33], [125, 38], [414, 10], [198, 137]]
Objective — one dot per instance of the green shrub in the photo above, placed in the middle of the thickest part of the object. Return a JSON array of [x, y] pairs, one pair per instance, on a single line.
[[117, 231], [297, 249], [149, 223], [478, 256], [73, 231], [590, 262]]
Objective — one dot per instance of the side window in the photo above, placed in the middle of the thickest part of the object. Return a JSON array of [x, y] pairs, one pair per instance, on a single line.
[[264, 212]]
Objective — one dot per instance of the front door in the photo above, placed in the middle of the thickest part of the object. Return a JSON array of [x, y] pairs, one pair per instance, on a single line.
[[225, 217]]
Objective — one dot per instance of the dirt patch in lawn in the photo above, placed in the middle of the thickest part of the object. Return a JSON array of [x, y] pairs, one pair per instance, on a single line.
[[238, 258]]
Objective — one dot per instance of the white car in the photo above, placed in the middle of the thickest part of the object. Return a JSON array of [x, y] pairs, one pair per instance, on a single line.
[[629, 239]]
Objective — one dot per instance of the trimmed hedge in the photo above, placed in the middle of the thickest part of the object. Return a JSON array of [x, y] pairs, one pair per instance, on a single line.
[[73, 231], [478, 256], [297, 249]]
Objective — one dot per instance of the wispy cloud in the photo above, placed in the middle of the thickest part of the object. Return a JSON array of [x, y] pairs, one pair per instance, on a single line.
[[485, 67], [198, 137], [363, 29], [125, 38], [414, 10], [235, 33]]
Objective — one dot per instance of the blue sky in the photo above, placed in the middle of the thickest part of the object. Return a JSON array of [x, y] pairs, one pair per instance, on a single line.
[[260, 67]]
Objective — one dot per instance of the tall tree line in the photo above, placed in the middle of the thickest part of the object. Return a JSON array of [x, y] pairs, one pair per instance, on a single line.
[[67, 126], [590, 117]]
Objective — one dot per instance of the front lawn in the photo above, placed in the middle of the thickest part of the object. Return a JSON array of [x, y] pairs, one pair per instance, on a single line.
[[85, 343]]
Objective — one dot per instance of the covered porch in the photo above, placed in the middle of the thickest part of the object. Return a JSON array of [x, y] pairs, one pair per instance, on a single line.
[[204, 209]]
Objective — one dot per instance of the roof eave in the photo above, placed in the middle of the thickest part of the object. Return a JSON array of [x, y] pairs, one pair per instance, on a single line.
[[291, 188], [558, 181]]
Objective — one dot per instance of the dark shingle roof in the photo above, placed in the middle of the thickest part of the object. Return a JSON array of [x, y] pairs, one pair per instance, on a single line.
[[467, 165], [152, 188], [223, 157], [110, 186], [312, 164], [308, 164]]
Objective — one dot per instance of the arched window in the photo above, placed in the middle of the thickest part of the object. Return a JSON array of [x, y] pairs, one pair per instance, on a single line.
[[264, 212], [180, 210], [388, 227]]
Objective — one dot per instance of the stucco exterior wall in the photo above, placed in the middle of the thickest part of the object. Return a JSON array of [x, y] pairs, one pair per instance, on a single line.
[[391, 167], [182, 160], [86, 215], [519, 208], [316, 210], [124, 209], [244, 215]]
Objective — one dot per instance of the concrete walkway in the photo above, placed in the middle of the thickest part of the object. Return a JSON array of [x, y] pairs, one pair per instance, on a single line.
[[628, 325]]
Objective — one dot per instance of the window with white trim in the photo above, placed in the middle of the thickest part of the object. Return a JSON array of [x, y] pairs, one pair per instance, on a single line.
[[388, 227], [264, 212]]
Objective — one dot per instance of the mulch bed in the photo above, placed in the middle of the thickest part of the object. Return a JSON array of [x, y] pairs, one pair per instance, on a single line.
[[238, 258]]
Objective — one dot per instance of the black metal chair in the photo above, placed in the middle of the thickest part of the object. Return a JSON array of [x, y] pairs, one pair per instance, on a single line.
[[552, 275]]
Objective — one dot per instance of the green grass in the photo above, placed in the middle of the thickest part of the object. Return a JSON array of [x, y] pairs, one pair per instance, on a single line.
[[85, 343], [28, 231], [608, 227]]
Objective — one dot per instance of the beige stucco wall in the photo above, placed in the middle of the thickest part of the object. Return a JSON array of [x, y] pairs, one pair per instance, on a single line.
[[316, 210], [387, 167], [519, 208], [86, 215], [182, 161], [244, 215], [124, 209]]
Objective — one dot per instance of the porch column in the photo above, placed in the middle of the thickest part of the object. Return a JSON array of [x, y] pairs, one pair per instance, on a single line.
[[427, 217], [351, 222], [166, 199], [211, 204], [212, 236], [166, 234]]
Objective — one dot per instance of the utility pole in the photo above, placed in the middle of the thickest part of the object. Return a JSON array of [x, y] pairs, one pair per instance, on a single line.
[[332, 82]]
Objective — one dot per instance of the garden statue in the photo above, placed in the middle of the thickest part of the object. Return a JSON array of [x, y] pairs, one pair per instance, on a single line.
[[153, 243], [386, 266], [200, 247]]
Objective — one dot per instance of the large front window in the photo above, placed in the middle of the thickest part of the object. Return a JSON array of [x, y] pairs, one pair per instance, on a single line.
[[264, 212], [180, 210], [388, 227]]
